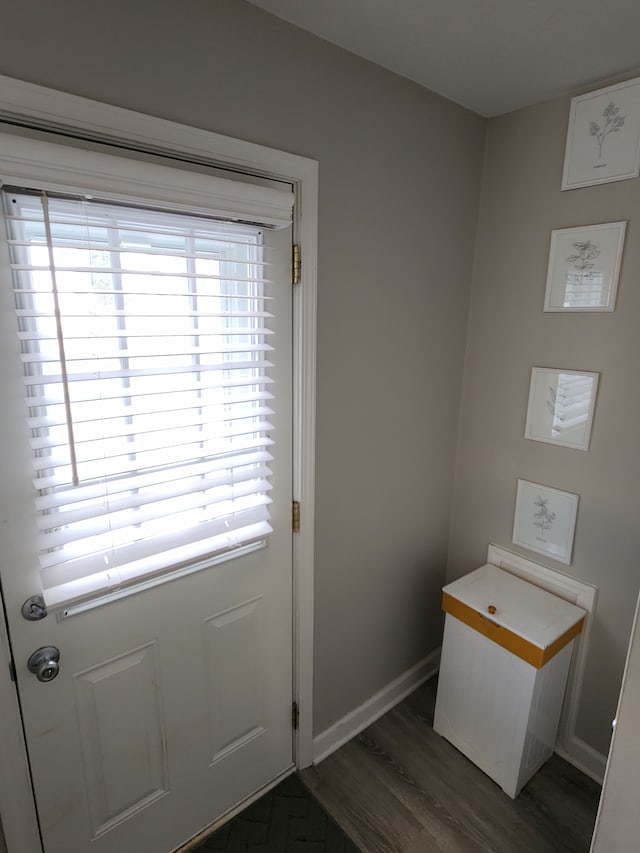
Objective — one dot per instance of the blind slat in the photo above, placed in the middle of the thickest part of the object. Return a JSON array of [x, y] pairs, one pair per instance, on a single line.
[[138, 274], [219, 500], [128, 353], [118, 427], [115, 488], [152, 547], [87, 392], [138, 334], [228, 233], [154, 494], [218, 253], [104, 581], [164, 370], [170, 441], [156, 405], [122, 313]]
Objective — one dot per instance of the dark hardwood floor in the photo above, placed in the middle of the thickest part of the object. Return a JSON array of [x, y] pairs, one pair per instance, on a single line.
[[401, 788]]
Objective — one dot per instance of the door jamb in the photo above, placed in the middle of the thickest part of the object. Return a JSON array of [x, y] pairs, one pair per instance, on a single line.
[[50, 110]]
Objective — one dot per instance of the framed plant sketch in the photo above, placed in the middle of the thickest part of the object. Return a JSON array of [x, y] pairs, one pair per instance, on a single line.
[[603, 138], [545, 520], [561, 405], [584, 267]]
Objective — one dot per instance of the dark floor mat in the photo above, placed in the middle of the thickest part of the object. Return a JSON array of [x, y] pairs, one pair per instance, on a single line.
[[286, 820]]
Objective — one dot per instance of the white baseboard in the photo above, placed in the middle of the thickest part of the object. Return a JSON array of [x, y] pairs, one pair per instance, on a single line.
[[587, 759], [384, 700], [576, 751]]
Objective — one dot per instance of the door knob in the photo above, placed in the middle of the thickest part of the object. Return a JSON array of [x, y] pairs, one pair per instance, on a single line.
[[44, 663]]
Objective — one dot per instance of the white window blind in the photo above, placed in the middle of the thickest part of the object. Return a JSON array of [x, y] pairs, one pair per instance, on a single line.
[[569, 402], [145, 346]]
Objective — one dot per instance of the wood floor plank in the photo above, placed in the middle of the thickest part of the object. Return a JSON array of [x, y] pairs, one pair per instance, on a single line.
[[442, 828], [457, 784], [565, 802], [371, 815], [401, 788]]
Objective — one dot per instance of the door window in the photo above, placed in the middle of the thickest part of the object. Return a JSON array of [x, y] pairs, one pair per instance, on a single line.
[[145, 346]]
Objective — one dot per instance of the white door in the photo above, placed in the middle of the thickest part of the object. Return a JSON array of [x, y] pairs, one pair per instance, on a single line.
[[173, 698]]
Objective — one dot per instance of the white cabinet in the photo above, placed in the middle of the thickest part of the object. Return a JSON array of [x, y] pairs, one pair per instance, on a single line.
[[505, 658]]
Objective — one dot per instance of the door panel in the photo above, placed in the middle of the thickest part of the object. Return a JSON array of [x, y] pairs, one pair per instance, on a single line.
[[234, 643], [124, 765], [173, 703]]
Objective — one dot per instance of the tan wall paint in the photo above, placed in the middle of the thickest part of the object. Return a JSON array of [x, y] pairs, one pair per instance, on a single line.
[[508, 334], [399, 186]]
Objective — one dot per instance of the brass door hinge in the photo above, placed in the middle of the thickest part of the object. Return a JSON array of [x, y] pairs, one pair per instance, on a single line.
[[295, 715], [295, 516], [296, 265]]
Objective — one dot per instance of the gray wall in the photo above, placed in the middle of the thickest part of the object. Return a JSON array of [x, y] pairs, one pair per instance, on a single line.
[[508, 334], [399, 185]]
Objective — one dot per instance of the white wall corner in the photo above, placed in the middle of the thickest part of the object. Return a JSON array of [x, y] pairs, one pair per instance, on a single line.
[[384, 700]]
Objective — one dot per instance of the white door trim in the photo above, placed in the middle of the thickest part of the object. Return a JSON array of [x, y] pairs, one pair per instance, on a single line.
[[47, 109]]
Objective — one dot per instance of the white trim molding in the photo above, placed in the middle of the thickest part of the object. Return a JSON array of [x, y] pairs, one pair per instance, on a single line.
[[587, 759], [17, 809], [36, 107], [568, 745], [384, 700]]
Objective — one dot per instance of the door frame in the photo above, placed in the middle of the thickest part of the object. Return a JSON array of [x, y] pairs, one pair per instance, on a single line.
[[44, 109]]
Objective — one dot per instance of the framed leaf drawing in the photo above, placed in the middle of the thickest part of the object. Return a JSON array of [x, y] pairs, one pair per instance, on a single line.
[[584, 267], [603, 138], [561, 405], [545, 520]]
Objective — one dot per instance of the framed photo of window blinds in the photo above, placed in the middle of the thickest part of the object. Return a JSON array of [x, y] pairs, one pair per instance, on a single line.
[[561, 406]]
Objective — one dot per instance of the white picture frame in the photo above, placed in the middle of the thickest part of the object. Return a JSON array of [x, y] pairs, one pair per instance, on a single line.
[[603, 137], [584, 267], [545, 520], [561, 407]]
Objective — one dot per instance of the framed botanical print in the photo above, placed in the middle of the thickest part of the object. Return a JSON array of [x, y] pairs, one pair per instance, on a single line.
[[545, 520], [584, 267], [603, 138]]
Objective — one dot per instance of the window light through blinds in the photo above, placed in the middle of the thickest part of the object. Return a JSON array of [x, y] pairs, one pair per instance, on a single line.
[[145, 351], [569, 401]]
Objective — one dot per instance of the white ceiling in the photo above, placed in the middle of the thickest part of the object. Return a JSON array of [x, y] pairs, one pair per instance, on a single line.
[[492, 56]]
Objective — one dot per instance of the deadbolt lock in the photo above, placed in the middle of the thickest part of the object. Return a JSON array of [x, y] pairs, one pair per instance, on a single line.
[[34, 608]]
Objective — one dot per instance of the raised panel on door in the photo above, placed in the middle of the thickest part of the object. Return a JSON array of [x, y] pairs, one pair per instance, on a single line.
[[235, 662], [122, 732]]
